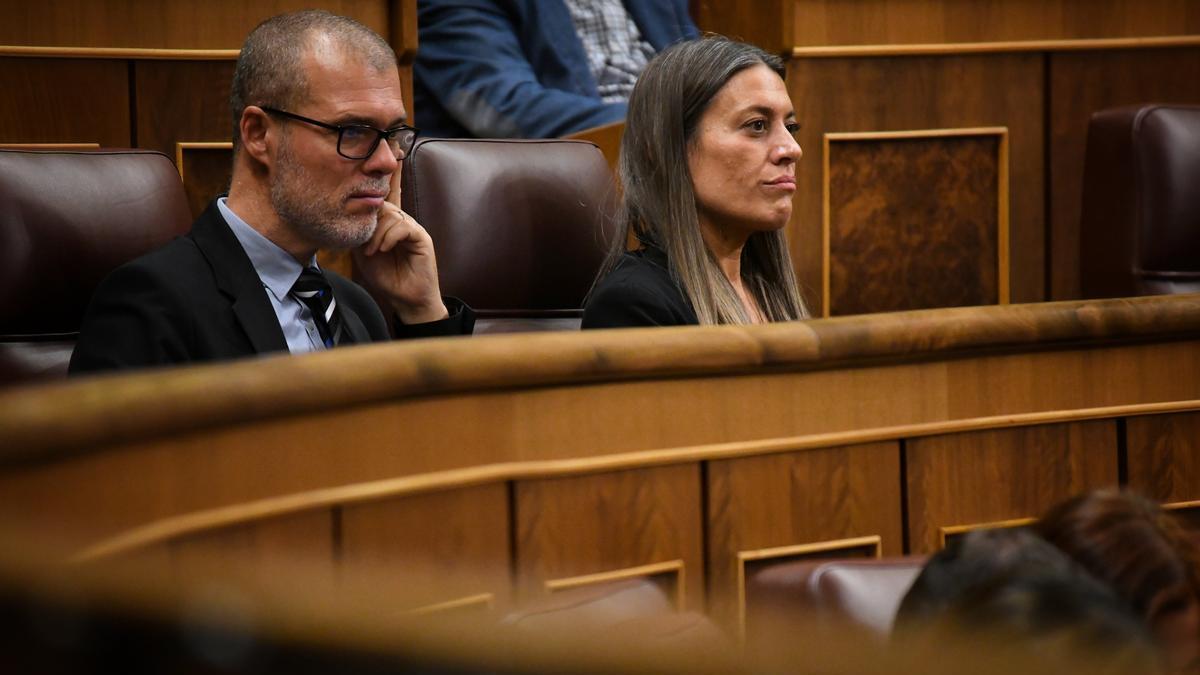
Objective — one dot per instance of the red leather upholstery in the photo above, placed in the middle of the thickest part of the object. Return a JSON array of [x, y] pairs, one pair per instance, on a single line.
[[1140, 226], [521, 227], [863, 593], [68, 218]]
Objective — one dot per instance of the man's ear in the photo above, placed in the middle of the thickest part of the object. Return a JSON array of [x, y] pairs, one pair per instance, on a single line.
[[254, 128]]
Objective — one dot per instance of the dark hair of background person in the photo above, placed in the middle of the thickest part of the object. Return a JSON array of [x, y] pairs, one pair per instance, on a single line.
[[269, 70], [1013, 589], [659, 208], [1130, 543]]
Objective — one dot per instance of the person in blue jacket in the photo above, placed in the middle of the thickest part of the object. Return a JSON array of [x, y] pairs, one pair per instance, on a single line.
[[534, 68]]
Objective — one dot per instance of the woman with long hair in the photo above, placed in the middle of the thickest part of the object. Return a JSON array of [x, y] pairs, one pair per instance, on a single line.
[[708, 171]]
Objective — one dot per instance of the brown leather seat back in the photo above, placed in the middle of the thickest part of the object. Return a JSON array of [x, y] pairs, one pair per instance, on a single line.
[[1140, 226], [68, 218], [862, 593], [521, 227]]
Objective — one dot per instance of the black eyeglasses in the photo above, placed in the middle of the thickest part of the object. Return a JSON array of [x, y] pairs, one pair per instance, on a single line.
[[358, 141]]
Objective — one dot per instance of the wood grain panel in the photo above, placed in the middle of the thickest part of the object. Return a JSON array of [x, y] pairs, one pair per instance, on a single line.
[[166, 24], [915, 222], [567, 527], [205, 169], [882, 22], [57, 101], [431, 548], [258, 551], [182, 101], [990, 476], [1083, 83], [797, 498], [877, 94], [779, 25], [1163, 456]]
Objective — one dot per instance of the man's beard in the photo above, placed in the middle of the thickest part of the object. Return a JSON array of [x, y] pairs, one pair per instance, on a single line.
[[320, 219]]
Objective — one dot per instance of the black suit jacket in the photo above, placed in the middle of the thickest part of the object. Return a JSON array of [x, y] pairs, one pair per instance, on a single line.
[[199, 299], [639, 291]]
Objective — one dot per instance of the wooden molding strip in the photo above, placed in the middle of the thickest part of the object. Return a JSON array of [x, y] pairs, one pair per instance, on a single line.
[[954, 48], [947, 531], [675, 567], [875, 541], [900, 134], [195, 522], [49, 146], [181, 146], [120, 53], [1181, 506], [487, 600]]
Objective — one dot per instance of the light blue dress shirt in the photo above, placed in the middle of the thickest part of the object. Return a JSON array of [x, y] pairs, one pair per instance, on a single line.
[[278, 271]]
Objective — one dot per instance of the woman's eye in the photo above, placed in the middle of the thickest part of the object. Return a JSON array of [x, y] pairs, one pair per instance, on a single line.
[[758, 125], [793, 127]]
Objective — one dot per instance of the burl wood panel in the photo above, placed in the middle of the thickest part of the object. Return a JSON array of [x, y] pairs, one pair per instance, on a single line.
[[64, 101], [568, 527], [794, 498], [1082, 83], [258, 550], [431, 548], [1163, 456], [988, 476], [892, 94], [162, 24], [913, 223]]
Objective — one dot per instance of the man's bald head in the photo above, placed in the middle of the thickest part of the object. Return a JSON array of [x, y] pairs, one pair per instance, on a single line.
[[270, 68]]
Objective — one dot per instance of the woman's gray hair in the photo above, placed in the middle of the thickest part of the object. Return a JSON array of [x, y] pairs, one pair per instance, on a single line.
[[659, 209]]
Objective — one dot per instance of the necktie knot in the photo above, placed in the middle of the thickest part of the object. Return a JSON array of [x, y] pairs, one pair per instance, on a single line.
[[314, 291]]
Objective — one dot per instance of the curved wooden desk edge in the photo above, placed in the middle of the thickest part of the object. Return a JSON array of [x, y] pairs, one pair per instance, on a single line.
[[120, 407]]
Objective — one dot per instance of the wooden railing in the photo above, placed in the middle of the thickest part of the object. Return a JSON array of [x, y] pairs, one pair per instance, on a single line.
[[504, 467]]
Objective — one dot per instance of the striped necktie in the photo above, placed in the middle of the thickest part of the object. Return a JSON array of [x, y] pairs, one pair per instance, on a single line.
[[315, 292]]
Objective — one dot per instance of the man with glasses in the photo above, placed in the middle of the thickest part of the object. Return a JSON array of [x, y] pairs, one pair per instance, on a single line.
[[319, 133]]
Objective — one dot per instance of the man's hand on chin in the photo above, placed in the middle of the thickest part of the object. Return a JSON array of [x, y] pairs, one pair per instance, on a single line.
[[399, 261]]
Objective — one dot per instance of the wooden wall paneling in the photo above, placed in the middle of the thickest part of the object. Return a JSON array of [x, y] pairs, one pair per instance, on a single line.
[[886, 22], [766, 23], [914, 220], [1163, 458], [257, 551], [606, 524], [64, 101], [842, 95], [987, 477], [433, 551], [182, 101], [1082, 83], [205, 169], [803, 499], [160, 24]]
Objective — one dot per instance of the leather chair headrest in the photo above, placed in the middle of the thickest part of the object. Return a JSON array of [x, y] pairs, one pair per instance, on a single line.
[[521, 226]]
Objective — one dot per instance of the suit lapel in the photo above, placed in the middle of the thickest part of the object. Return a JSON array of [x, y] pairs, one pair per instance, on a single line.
[[236, 278]]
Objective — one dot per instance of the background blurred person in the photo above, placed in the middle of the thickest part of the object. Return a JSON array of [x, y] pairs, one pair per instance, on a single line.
[[1148, 558], [1009, 594]]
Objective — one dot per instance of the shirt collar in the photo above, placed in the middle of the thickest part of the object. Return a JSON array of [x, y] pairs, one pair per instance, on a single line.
[[275, 266]]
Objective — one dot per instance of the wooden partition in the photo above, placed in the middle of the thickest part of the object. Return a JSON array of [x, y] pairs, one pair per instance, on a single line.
[[152, 74], [936, 69], [475, 472]]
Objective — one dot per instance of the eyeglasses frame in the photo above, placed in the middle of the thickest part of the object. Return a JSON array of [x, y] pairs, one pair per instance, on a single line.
[[380, 134]]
